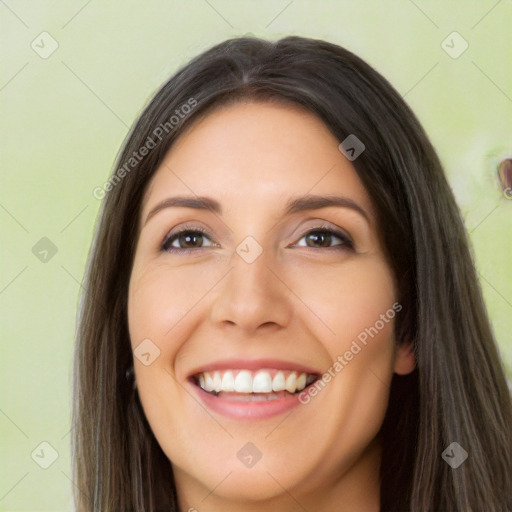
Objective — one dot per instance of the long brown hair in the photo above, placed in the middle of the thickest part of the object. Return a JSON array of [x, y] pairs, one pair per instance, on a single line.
[[458, 391]]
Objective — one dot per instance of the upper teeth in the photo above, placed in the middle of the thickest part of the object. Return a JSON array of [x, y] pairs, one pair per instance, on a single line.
[[243, 381]]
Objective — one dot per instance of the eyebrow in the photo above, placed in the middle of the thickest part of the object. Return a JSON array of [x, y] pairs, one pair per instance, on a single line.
[[294, 205]]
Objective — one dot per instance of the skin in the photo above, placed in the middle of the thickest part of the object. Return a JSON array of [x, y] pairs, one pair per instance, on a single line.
[[294, 302]]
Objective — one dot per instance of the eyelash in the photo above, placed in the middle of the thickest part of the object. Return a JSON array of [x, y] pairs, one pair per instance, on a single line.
[[346, 244]]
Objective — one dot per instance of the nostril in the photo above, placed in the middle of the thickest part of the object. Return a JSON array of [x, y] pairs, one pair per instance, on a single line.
[[505, 176]]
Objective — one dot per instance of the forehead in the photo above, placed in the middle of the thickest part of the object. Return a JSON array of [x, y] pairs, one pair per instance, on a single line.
[[254, 155]]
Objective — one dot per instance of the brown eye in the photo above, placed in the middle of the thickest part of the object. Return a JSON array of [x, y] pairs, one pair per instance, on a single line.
[[187, 240], [323, 238]]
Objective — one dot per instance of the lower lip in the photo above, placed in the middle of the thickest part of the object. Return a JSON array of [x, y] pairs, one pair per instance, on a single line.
[[247, 410]]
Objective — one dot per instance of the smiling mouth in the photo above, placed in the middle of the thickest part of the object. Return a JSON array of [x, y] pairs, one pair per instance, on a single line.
[[247, 385]]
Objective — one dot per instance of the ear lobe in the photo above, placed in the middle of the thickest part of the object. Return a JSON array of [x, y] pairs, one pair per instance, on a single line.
[[405, 362]]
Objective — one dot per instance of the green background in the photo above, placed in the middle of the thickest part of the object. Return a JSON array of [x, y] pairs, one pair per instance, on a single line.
[[64, 117]]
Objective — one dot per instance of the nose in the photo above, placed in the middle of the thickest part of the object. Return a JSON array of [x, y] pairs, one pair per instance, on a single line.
[[253, 295]]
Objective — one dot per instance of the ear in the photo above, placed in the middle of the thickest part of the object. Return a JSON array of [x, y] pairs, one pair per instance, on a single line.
[[405, 361]]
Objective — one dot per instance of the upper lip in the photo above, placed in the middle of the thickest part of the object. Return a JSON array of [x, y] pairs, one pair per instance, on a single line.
[[253, 364]]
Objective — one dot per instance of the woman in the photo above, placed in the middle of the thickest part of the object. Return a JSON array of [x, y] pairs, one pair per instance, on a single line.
[[225, 361]]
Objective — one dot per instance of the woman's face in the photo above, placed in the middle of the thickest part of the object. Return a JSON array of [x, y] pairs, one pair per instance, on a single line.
[[277, 290]]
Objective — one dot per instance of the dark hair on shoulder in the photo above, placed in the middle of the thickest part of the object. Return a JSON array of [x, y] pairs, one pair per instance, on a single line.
[[458, 390]]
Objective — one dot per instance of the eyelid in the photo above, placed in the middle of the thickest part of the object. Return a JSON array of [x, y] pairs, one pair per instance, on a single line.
[[325, 226]]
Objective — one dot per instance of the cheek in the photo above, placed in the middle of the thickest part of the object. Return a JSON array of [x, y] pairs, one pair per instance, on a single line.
[[357, 306], [159, 298], [164, 307], [160, 309], [344, 300]]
